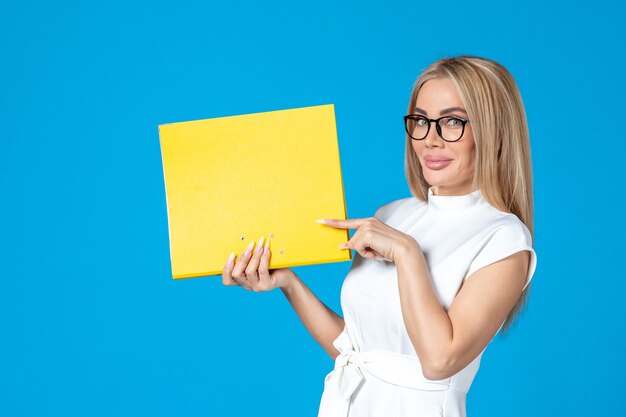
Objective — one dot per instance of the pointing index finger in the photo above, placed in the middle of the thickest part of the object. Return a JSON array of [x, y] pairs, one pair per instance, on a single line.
[[342, 224]]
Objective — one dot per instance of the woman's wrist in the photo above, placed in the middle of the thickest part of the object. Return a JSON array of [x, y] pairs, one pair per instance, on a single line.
[[406, 250], [288, 281]]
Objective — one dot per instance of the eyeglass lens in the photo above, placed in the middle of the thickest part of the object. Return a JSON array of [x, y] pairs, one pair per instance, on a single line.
[[451, 128]]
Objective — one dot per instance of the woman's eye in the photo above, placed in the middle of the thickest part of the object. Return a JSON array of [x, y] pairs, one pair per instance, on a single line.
[[421, 122], [453, 122]]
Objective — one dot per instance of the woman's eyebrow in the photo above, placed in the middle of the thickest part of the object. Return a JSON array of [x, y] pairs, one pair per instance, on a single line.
[[444, 111]]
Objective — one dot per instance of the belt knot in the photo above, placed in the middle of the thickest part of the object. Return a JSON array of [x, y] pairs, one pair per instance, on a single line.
[[347, 375]]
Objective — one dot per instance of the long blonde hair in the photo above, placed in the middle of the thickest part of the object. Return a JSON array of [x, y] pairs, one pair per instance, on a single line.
[[503, 169]]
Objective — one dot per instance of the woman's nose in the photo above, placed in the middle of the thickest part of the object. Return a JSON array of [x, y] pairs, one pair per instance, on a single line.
[[432, 138]]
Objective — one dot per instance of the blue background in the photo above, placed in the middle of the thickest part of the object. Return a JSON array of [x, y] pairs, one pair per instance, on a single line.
[[91, 322]]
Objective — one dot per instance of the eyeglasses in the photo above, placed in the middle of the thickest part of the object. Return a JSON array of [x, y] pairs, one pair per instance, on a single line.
[[449, 128]]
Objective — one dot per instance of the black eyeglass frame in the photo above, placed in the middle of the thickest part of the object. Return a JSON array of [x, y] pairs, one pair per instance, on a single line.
[[437, 127]]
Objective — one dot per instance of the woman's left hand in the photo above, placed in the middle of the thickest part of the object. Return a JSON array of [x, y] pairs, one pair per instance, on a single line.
[[374, 239]]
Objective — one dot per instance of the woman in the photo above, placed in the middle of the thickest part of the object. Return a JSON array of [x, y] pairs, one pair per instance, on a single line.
[[437, 274]]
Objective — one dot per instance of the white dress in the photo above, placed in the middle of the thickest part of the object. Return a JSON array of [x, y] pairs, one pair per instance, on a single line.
[[378, 372]]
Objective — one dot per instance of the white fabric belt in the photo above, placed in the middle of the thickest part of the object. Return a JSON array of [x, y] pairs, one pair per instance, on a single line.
[[394, 368]]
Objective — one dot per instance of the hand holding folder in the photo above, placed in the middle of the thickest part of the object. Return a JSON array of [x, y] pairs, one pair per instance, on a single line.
[[231, 180], [251, 270]]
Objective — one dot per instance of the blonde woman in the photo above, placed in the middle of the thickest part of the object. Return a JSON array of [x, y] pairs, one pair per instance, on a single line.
[[437, 274]]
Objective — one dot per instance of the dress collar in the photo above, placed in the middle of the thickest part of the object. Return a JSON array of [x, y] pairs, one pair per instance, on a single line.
[[454, 204]]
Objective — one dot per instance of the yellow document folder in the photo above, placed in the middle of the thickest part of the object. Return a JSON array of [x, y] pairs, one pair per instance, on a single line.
[[231, 180]]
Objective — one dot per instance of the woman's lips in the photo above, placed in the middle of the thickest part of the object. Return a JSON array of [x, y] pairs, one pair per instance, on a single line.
[[437, 164]]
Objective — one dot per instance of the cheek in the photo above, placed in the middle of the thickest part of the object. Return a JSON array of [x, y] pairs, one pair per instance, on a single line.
[[417, 147], [470, 160], [466, 158], [469, 151]]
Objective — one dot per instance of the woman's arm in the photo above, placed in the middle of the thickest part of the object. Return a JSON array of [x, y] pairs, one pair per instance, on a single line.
[[322, 322], [447, 342]]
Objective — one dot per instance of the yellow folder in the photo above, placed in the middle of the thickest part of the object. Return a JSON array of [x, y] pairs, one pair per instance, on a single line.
[[231, 180]]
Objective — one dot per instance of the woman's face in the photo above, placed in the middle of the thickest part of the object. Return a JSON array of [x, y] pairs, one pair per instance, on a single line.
[[439, 97]]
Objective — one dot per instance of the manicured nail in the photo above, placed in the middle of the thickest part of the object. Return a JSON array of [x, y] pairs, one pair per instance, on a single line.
[[342, 246], [266, 250], [230, 259], [260, 245], [320, 221], [249, 248]]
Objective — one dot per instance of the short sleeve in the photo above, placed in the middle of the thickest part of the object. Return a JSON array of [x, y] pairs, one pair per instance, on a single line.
[[506, 240]]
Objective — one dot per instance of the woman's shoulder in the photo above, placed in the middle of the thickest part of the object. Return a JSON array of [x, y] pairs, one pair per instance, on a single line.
[[502, 219], [402, 205]]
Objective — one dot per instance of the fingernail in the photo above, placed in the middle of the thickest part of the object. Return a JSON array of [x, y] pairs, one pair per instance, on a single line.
[[231, 259], [267, 247], [249, 248], [260, 245], [320, 221], [342, 246]]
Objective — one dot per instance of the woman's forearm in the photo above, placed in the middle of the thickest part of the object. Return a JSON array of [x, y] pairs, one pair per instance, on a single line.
[[322, 322], [427, 323]]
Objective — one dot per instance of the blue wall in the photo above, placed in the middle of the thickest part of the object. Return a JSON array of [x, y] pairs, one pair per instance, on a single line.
[[91, 322]]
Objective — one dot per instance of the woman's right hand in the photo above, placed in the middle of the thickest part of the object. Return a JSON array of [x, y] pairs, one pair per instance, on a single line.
[[251, 271]]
